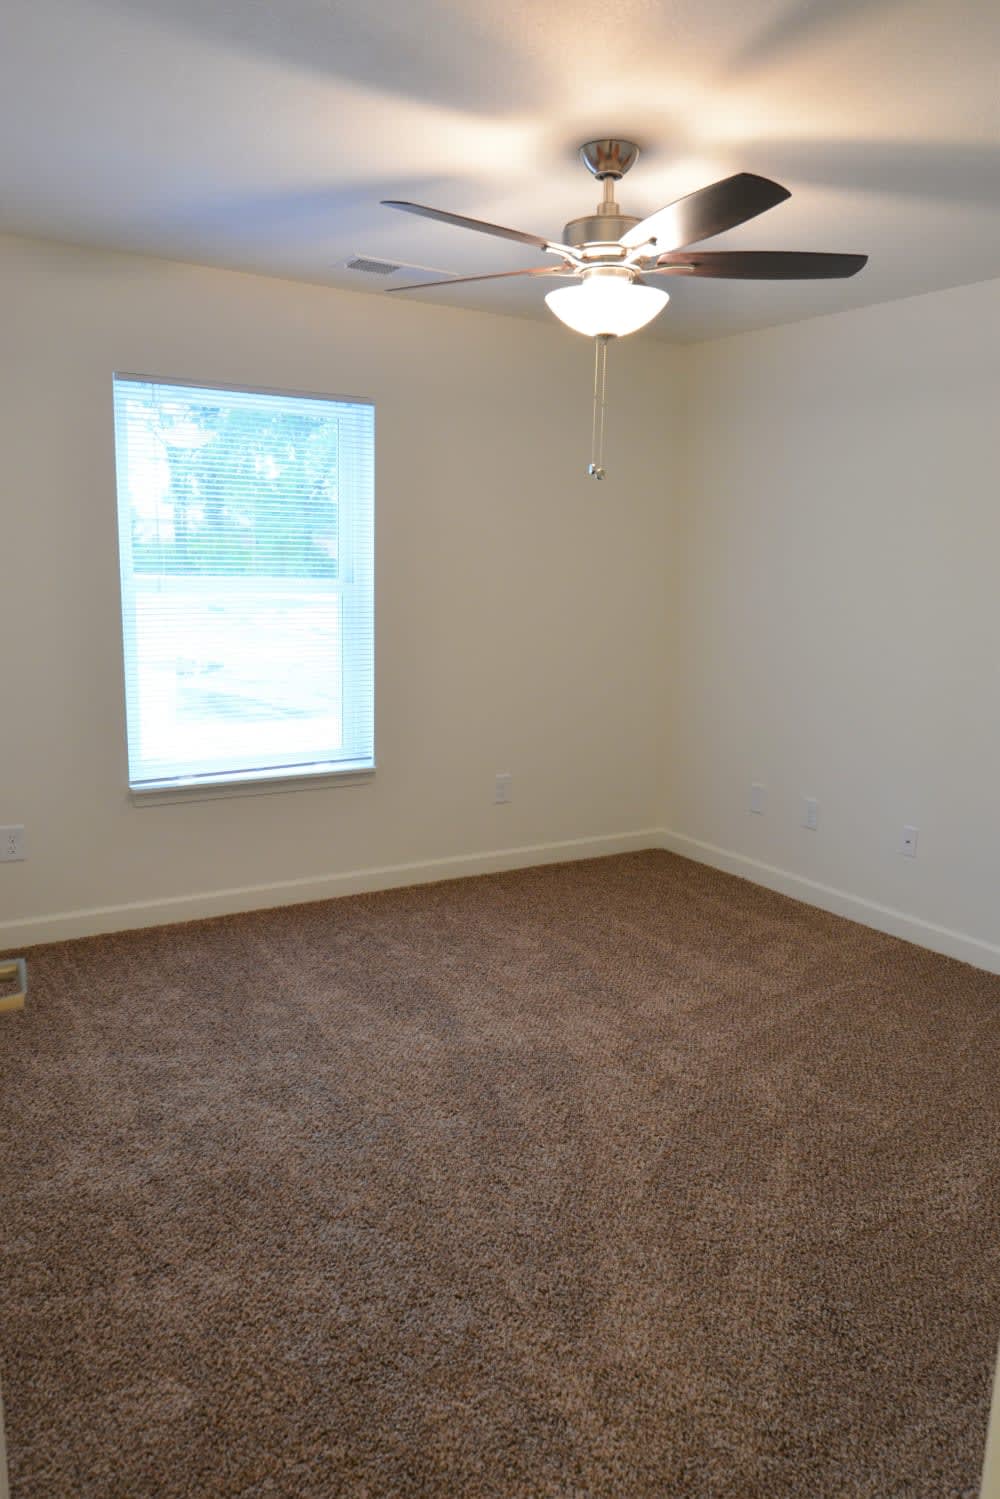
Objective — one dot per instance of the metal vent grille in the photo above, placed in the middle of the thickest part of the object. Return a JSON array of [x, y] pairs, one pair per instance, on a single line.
[[371, 267]]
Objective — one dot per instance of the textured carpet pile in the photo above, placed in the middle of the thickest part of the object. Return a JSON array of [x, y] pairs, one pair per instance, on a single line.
[[621, 1178]]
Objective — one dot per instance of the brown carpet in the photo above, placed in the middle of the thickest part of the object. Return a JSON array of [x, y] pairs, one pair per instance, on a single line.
[[621, 1178]]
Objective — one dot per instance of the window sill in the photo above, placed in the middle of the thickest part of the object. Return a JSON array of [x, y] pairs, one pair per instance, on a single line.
[[261, 783]]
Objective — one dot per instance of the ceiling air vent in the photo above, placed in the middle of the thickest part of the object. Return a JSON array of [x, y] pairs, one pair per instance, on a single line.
[[370, 267], [387, 274]]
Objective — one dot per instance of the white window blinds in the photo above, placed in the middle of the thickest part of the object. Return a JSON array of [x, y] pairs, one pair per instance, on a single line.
[[246, 546]]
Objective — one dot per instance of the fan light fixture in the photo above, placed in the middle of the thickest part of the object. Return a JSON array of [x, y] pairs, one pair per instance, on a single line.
[[607, 301], [612, 253]]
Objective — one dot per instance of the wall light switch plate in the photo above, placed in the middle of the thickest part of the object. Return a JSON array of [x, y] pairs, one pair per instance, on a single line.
[[810, 813], [504, 789], [758, 797], [908, 842]]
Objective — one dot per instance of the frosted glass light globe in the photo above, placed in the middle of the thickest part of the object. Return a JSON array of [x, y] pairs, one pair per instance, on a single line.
[[607, 300]]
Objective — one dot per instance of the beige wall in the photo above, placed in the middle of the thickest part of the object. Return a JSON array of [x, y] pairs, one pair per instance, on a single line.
[[520, 605], [835, 626], [791, 576]]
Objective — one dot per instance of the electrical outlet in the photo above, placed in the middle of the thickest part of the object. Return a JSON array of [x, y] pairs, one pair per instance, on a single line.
[[908, 842], [503, 790], [810, 813], [758, 797], [12, 845]]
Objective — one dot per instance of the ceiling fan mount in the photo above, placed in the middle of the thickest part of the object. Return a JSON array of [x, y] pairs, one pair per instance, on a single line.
[[609, 158]]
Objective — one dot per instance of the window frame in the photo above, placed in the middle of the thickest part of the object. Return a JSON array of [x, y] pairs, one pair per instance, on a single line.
[[213, 785]]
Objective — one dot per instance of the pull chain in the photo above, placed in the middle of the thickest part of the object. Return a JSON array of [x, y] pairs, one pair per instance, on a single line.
[[596, 467]]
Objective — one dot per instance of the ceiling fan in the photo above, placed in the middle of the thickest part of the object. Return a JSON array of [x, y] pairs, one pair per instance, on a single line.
[[608, 255]]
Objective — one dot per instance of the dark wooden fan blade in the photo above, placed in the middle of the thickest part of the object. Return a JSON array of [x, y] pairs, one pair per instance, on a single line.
[[711, 210], [463, 223], [759, 265], [538, 270]]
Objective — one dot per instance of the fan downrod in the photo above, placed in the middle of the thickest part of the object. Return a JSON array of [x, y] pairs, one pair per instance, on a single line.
[[609, 158]]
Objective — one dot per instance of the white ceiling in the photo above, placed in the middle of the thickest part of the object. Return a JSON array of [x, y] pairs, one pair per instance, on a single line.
[[261, 134]]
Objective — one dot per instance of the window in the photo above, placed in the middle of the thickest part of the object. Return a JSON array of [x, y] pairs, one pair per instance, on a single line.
[[245, 526]]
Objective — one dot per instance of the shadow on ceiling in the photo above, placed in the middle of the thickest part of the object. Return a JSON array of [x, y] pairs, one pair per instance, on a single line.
[[936, 171], [320, 211], [802, 23], [460, 62]]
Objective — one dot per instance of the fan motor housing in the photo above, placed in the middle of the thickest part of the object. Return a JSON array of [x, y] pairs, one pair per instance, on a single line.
[[599, 228]]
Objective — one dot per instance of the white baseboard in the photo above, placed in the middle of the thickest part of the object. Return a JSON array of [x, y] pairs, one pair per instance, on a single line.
[[59, 926], [940, 939], [92, 920]]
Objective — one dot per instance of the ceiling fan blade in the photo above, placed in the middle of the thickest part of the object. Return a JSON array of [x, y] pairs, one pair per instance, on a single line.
[[538, 270], [709, 211], [464, 223], [759, 265]]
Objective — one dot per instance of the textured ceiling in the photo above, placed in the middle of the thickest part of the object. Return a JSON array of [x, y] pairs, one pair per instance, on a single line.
[[261, 136]]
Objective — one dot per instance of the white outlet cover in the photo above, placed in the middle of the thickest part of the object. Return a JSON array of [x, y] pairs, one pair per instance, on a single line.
[[810, 813], [12, 846], [758, 797]]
